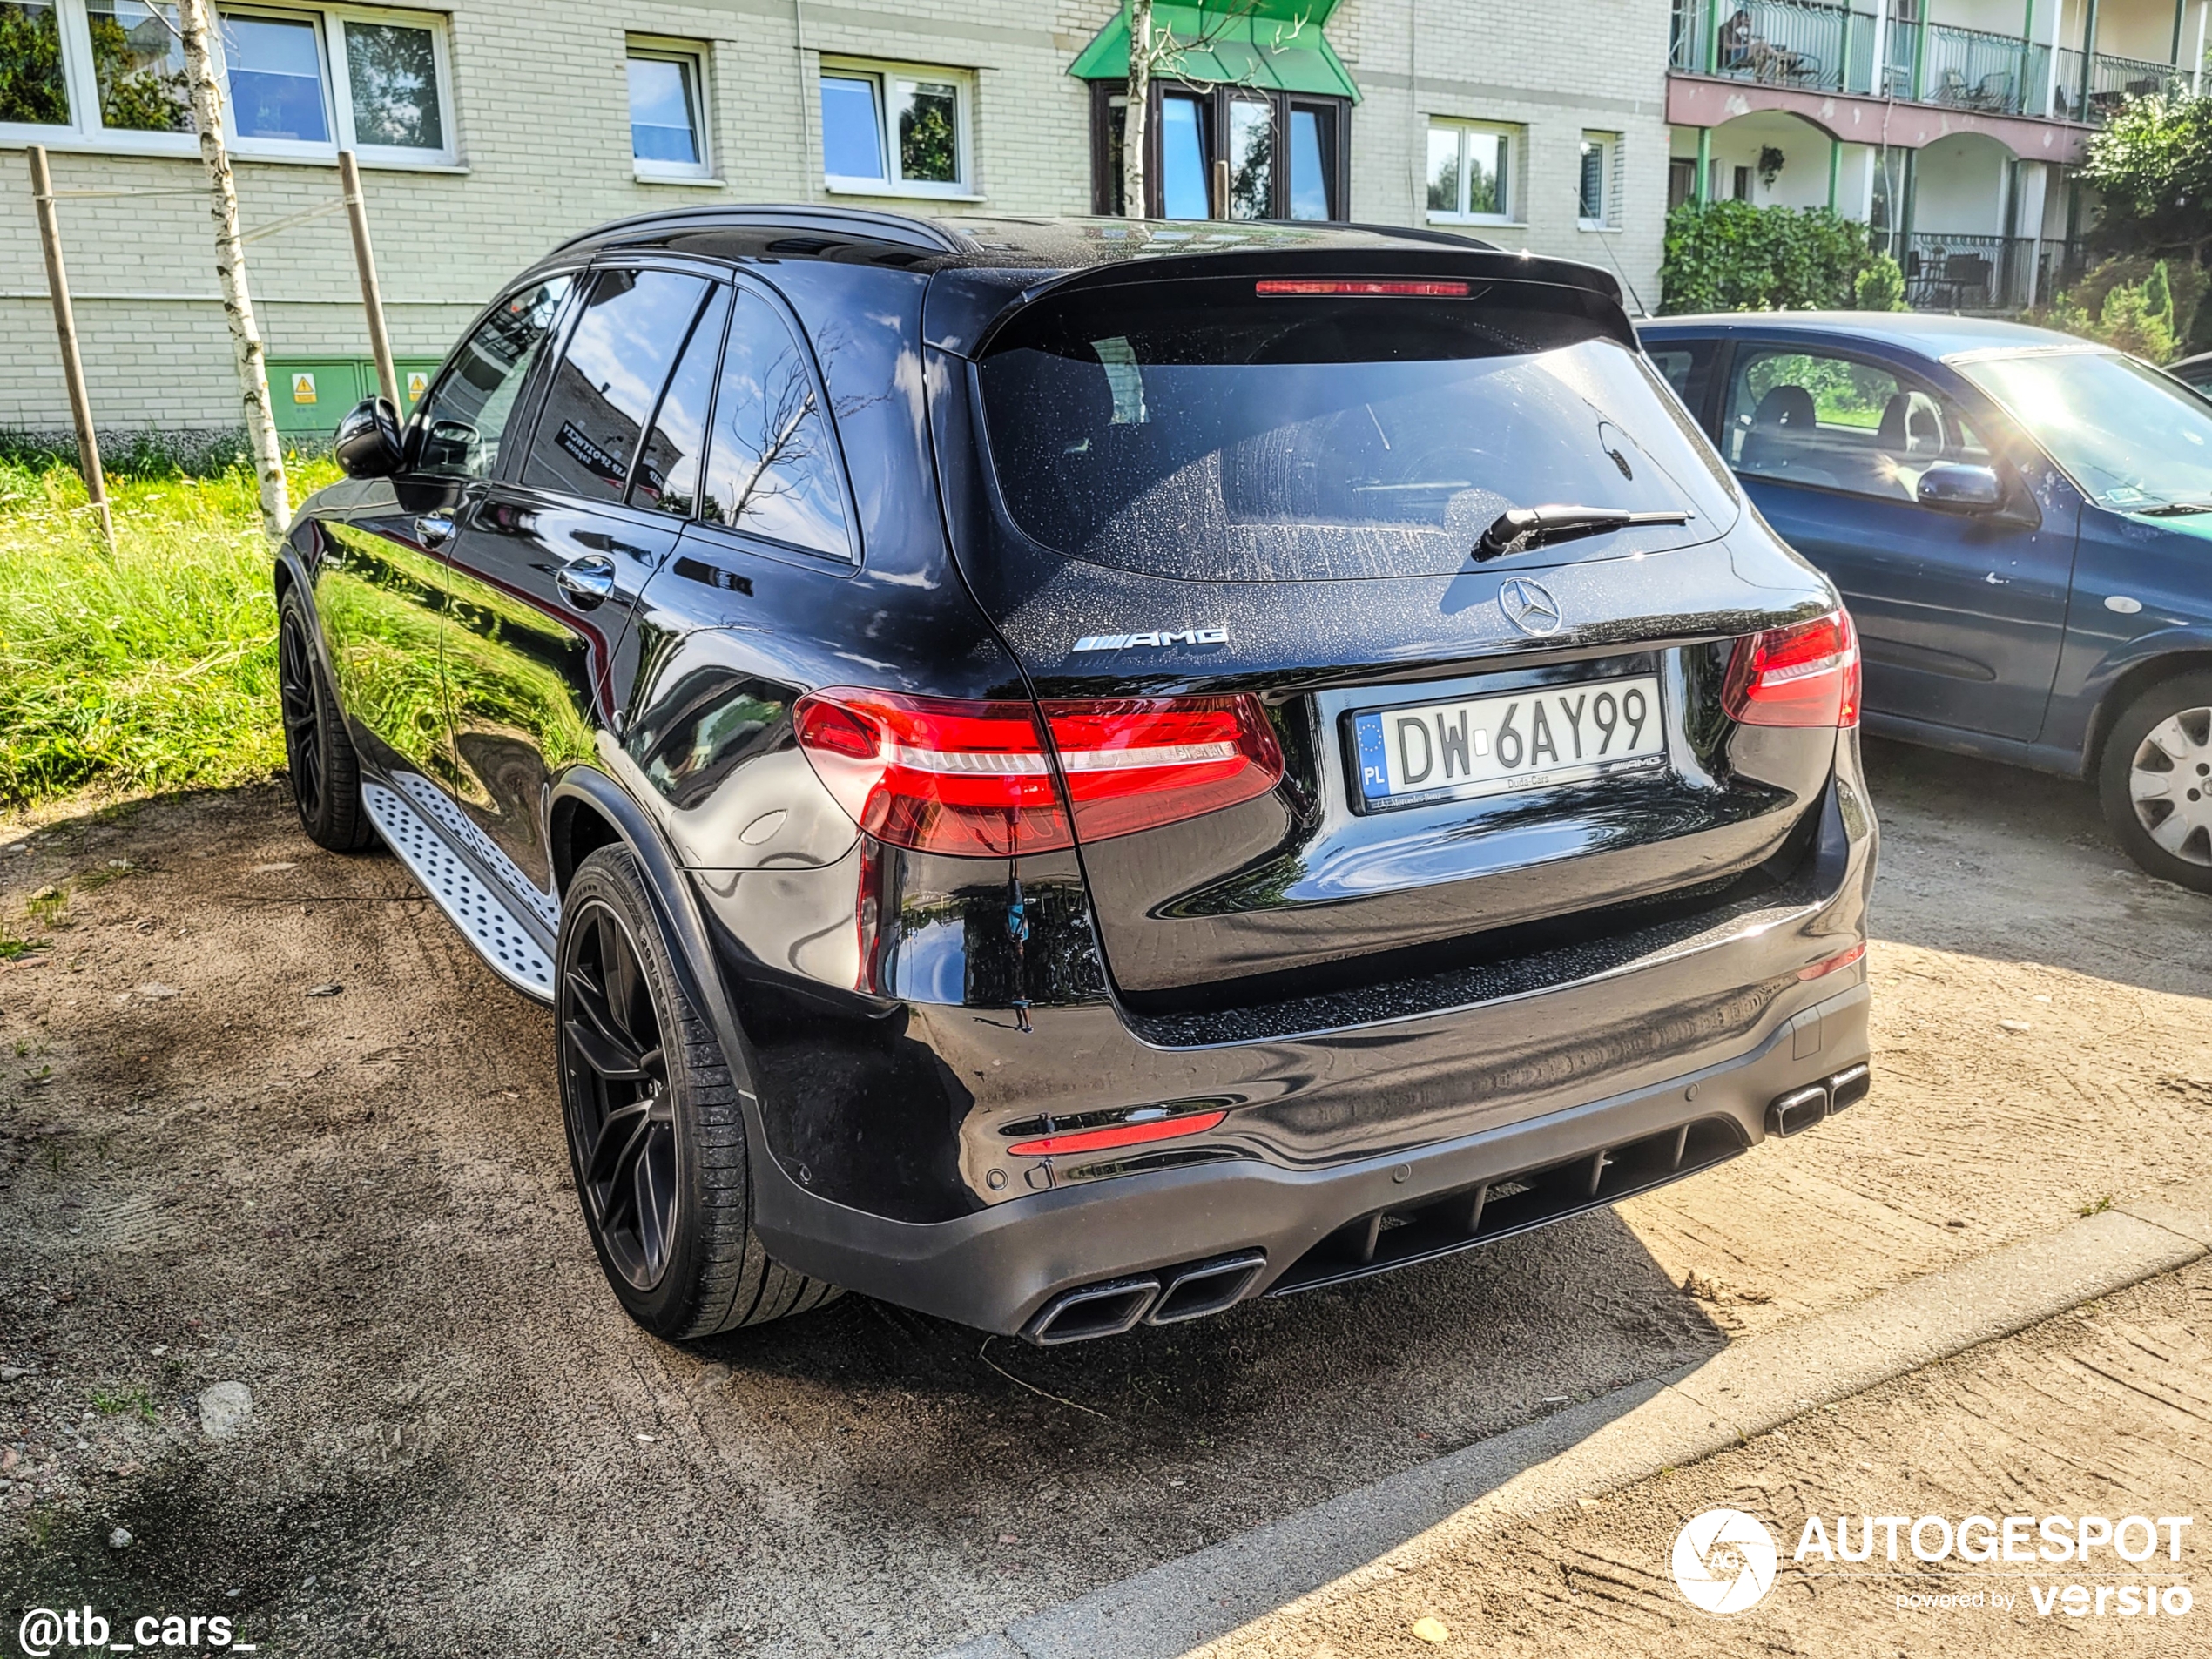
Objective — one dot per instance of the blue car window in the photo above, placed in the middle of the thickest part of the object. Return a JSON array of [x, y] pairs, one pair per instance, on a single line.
[[1809, 417]]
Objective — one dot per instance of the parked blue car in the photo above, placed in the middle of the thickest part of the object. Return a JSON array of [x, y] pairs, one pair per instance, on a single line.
[[2020, 524]]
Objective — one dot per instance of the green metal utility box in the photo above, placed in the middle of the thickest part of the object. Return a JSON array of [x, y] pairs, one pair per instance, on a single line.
[[311, 394]]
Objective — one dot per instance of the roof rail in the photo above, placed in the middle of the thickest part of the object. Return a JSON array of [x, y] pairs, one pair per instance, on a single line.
[[890, 227]]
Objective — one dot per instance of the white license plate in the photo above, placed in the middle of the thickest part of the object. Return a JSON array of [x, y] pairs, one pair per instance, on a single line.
[[1487, 746]]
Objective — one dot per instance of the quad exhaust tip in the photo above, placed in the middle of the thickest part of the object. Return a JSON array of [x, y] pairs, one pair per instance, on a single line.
[[1801, 1109], [1169, 1298]]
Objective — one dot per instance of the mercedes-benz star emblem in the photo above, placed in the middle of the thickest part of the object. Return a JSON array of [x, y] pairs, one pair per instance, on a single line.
[[1529, 606]]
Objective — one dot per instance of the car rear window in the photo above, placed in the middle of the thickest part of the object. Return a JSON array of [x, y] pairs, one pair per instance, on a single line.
[[1206, 431]]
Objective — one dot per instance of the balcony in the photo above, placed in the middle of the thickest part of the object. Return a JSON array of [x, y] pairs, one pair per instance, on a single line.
[[1971, 69], [1803, 43], [1827, 46], [1947, 271], [2113, 81]]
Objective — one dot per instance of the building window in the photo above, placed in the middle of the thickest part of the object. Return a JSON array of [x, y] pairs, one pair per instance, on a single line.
[[1470, 172], [300, 81], [276, 78], [1598, 192], [138, 67], [1231, 153], [895, 131], [667, 123]]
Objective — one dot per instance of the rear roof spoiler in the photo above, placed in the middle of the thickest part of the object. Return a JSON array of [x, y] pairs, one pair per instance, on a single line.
[[966, 307]]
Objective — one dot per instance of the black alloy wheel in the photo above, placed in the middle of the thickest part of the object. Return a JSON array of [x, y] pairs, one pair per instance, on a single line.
[[655, 1120], [317, 755], [615, 1075]]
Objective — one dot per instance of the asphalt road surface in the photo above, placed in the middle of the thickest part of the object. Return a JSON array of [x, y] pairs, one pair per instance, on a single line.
[[357, 1205]]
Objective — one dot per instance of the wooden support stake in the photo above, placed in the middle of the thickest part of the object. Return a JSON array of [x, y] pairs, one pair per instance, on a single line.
[[379, 343], [80, 404], [1220, 189]]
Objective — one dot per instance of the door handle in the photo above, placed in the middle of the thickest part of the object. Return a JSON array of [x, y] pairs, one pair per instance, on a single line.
[[434, 530], [586, 581]]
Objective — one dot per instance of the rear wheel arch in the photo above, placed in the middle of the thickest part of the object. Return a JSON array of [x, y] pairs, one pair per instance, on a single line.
[[580, 828]]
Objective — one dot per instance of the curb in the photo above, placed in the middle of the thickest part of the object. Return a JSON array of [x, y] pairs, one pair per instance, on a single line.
[[1629, 1435]]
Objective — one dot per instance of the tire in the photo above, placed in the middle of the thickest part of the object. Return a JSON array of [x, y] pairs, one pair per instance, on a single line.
[[318, 754], [2155, 780], [655, 1124]]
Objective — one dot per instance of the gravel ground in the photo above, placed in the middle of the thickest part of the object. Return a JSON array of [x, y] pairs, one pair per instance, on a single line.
[[2105, 1411], [356, 1204]]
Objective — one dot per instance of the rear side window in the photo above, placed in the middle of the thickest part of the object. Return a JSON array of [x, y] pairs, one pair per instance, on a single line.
[[469, 413], [1207, 430], [1809, 417], [773, 468], [609, 379], [667, 471], [1686, 370]]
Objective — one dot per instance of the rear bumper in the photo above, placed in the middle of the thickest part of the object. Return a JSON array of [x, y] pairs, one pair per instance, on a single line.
[[1000, 1268]]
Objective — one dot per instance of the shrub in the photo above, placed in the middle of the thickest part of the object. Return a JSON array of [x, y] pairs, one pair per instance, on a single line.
[[1881, 286], [1731, 256], [2135, 303]]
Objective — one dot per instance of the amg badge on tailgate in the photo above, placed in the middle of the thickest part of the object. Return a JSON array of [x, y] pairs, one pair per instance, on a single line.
[[1158, 637]]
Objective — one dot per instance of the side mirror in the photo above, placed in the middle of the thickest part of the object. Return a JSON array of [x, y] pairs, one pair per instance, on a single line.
[[367, 444], [1953, 486]]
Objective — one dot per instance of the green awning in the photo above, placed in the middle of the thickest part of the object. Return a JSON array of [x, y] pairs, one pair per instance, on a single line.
[[1275, 45]]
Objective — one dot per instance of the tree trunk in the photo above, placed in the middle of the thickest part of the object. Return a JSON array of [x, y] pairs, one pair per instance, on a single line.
[[1139, 102], [194, 18]]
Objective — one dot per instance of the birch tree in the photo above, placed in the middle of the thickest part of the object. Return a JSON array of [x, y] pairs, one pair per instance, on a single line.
[[195, 26], [1135, 107]]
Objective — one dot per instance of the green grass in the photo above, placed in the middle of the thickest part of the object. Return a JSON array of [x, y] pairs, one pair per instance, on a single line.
[[154, 669]]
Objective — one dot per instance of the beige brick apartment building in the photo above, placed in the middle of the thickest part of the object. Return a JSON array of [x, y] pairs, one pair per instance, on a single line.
[[488, 132]]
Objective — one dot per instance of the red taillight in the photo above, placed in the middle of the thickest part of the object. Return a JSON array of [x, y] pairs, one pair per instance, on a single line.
[[1806, 674], [934, 774], [1334, 285], [976, 778], [1135, 763], [1098, 1139]]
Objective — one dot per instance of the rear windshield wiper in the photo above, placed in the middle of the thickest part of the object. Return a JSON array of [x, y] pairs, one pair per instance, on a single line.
[[1518, 528]]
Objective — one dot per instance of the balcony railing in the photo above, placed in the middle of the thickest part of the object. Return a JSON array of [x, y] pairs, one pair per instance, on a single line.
[[1970, 69], [1804, 43], [1959, 273], [2113, 81], [1821, 46]]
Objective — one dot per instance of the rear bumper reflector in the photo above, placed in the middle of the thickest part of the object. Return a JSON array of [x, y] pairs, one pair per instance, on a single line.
[[1098, 1140], [1835, 964]]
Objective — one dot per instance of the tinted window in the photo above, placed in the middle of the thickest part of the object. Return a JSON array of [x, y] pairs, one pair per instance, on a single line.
[[1686, 369], [469, 413], [1221, 435], [773, 468], [1817, 418], [667, 472], [617, 357]]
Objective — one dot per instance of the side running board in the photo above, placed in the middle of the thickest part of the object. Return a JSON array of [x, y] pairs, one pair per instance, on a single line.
[[492, 921]]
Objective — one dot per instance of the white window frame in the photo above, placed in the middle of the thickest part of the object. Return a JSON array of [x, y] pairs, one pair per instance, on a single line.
[[662, 50], [885, 75], [1516, 139], [1608, 183], [84, 132]]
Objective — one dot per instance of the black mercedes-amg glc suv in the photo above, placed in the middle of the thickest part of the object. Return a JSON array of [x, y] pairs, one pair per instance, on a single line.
[[1062, 773]]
